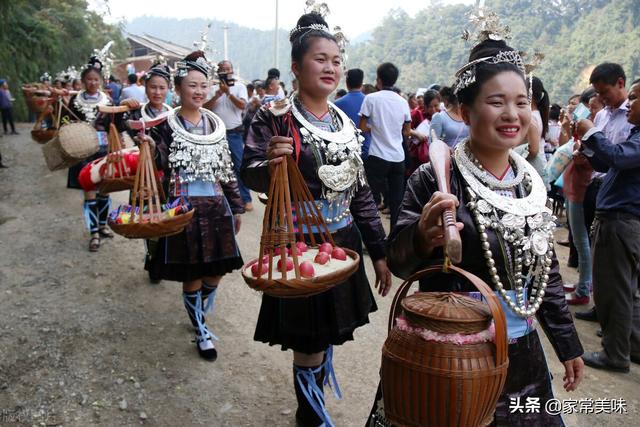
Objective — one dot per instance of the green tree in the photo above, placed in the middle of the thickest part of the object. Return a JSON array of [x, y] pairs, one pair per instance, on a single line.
[[49, 35]]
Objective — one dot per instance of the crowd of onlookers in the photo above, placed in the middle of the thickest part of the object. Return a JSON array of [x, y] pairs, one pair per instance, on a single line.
[[587, 152]]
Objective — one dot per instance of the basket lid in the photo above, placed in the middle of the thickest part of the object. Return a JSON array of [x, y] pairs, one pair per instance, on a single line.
[[446, 312]]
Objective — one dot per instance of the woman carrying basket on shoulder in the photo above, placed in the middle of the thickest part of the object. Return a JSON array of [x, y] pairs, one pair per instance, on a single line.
[[157, 83], [311, 326], [83, 106], [192, 150]]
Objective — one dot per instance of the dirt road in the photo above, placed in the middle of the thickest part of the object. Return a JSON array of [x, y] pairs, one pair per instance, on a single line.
[[86, 340]]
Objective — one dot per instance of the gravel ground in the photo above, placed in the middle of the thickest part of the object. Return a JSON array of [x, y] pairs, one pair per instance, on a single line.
[[85, 339]]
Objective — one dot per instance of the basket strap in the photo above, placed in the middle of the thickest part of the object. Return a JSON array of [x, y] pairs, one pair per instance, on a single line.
[[492, 300]]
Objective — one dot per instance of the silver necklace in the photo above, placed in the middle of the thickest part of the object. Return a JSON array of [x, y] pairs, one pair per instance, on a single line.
[[148, 118], [342, 148], [524, 229], [474, 166], [89, 108], [200, 157]]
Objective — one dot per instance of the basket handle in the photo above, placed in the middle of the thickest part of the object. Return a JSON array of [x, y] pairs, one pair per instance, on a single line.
[[494, 305]]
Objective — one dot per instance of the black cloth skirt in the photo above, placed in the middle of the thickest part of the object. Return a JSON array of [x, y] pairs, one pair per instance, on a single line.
[[528, 376], [74, 171], [311, 325], [206, 247]]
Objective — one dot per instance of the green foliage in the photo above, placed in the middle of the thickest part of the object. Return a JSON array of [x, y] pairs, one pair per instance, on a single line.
[[49, 35], [574, 35]]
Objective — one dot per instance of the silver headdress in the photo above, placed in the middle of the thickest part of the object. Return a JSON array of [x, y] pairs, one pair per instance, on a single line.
[[323, 10], [201, 64], [104, 60], [68, 75], [488, 27], [45, 77]]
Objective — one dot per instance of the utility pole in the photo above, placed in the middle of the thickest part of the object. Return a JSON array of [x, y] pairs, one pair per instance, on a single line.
[[226, 42], [275, 39]]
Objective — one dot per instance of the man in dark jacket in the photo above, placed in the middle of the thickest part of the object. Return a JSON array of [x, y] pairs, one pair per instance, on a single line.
[[616, 247]]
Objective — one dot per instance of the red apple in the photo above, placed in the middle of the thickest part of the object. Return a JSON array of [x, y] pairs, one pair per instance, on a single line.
[[306, 270], [254, 269], [326, 248], [289, 264], [322, 258], [339, 253], [302, 247]]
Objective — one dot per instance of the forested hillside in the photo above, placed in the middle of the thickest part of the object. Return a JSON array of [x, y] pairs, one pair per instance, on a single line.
[[49, 35], [250, 50], [575, 35]]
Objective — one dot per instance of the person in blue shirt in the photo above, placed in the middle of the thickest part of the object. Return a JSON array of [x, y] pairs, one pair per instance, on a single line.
[[352, 101], [616, 247], [115, 90]]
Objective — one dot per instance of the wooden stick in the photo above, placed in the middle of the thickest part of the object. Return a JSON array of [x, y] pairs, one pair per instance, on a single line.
[[287, 207], [440, 156], [113, 109], [281, 218]]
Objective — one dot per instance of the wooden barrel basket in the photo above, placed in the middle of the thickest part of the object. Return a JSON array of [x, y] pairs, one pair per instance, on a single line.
[[442, 384]]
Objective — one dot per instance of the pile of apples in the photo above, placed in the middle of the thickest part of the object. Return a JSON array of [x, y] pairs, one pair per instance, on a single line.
[[326, 252]]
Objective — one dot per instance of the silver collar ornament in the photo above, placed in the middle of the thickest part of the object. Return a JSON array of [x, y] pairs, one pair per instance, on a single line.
[[337, 153], [89, 107], [146, 117], [200, 157], [524, 227]]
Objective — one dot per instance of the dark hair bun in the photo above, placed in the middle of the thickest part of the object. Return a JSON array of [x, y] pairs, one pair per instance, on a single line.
[[488, 48], [193, 56], [306, 20]]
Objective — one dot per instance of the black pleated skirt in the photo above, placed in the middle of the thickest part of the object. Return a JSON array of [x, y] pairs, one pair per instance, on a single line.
[[206, 247], [311, 325]]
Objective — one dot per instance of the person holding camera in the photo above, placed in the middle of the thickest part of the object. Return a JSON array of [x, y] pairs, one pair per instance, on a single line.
[[228, 103]]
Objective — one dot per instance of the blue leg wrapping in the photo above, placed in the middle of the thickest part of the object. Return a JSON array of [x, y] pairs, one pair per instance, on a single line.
[[91, 215]]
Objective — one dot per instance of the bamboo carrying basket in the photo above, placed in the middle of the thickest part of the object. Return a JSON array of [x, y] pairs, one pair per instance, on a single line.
[[288, 191], [73, 143], [428, 383], [146, 192], [118, 175]]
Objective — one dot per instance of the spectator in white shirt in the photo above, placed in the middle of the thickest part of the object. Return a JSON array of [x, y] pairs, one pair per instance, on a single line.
[[386, 114], [228, 102]]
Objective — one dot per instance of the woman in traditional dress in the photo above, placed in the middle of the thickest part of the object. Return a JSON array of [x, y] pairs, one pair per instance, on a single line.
[[324, 138], [191, 148], [506, 231], [157, 83], [84, 106]]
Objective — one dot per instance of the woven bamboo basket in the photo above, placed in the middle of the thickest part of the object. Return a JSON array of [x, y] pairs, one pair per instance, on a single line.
[[146, 193], [73, 143], [118, 175], [428, 383], [288, 191]]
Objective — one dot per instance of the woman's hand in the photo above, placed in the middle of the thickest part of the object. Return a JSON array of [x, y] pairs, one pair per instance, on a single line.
[[133, 104], [238, 220], [146, 138], [573, 373], [430, 224], [279, 146], [383, 276]]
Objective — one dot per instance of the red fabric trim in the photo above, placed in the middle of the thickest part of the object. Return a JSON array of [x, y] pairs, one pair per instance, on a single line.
[[501, 177]]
